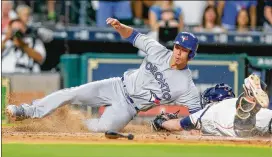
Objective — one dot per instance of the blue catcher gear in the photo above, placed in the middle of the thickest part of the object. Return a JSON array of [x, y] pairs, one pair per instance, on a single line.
[[217, 93], [188, 41]]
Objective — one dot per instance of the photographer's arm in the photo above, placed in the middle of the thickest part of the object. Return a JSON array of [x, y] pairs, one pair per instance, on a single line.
[[33, 54], [5, 38], [30, 51], [3, 44]]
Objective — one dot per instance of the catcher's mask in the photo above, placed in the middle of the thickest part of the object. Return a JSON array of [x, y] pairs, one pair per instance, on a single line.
[[217, 93]]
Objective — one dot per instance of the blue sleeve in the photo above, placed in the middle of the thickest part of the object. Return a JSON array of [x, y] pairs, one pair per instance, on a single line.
[[187, 124], [156, 10], [177, 12], [133, 36], [253, 3]]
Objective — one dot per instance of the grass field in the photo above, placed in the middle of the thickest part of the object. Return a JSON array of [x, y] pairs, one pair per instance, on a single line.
[[131, 150]]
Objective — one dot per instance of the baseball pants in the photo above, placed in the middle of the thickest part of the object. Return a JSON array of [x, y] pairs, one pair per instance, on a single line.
[[110, 92]]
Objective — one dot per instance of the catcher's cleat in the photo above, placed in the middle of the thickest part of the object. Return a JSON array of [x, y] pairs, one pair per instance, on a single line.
[[253, 88], [16, 113]]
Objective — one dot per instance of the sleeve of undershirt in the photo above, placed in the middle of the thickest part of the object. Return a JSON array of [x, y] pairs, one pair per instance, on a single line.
[[145, 43]]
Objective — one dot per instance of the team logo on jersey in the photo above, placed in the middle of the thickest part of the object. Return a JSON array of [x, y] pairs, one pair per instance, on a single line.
[[161, 81], [154, 99], [184, 38]]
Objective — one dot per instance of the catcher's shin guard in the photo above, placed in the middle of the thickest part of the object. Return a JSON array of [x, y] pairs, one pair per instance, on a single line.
[[253, 98], [245, 118], [246, 107]]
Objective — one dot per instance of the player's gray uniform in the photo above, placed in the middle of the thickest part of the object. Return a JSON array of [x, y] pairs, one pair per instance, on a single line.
[[153, 83], [218, 119]]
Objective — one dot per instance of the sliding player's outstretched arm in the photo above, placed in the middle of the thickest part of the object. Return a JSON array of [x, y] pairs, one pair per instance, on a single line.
[[141, 41]]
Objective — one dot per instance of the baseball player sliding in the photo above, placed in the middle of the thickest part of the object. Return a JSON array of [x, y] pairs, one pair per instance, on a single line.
[[163, 77], [225, 115]]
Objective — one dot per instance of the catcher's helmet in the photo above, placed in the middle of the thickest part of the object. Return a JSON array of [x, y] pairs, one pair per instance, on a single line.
[[188, 41], [217, 93]]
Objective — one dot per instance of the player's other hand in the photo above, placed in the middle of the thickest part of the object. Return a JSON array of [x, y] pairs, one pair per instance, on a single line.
[[114, 23], [19, 42]]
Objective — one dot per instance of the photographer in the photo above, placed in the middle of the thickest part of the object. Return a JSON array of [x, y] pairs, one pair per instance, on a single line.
[[24, 13], [21, 52]]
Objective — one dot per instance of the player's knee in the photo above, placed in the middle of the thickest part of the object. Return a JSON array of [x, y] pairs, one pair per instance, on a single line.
[[95, 125], [98, 130], [71, 95], [102, 129]]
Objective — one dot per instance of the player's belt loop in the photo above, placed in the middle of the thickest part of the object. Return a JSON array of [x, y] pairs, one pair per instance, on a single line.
[[128, 97]]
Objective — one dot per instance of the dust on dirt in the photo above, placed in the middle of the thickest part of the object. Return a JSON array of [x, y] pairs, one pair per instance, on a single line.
[[62, 120], [65, 126]]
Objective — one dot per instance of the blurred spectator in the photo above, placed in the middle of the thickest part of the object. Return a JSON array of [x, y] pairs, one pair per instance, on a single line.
[[51, 14], [228, 11], [242, 21], [268, 16], [212, 3], [141, 8], [21, 53], [7, 14], [24, 14], [165, 12], [113, 8], [210, 21], [192, 11]]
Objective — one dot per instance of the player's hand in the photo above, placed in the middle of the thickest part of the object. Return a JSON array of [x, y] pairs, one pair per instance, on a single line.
[[19, 43], [114, 23], [8, 34]]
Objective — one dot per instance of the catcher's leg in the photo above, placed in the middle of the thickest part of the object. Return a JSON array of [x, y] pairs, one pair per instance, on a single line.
[[252, 99], [95, 94], [248, 105], [252, 88], [115, 118]]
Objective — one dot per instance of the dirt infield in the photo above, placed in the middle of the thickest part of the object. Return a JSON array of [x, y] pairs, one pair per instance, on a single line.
[[64, 126]]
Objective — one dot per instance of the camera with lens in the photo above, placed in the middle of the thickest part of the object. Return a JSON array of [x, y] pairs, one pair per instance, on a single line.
[[17, 33], [167, 34]]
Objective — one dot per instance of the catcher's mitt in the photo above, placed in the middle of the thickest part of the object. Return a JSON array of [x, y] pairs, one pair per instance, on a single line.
[[156, 124]]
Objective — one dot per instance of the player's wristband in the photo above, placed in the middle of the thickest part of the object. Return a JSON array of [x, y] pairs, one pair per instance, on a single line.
[[187, 124], [133, 36]]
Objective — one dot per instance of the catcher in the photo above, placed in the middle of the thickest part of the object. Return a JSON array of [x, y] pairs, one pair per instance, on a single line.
[[225, 115]]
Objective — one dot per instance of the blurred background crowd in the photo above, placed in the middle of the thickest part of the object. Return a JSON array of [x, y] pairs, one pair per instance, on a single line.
[[38, 19], [29, 29], [207, 16], [27, 26]]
